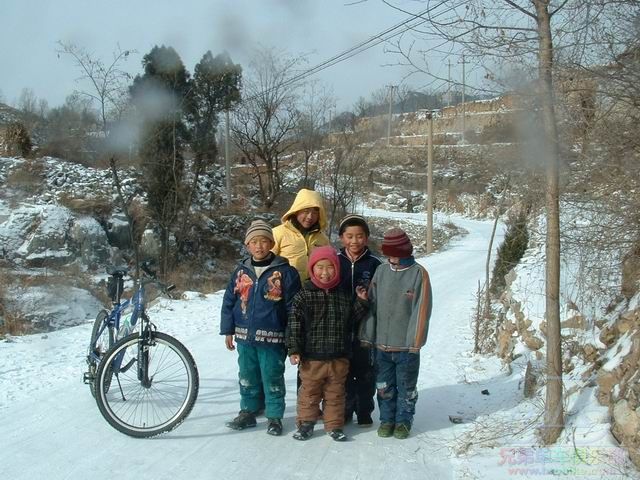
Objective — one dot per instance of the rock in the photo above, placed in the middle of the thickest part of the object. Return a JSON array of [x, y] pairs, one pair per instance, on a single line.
[[606, 381], [576, 321], [117, 228], [627, 321], [531, 341], [543, 328], [90, 241], [590, 353], [608, 335], [626, 419], [505, 344], [47, 244], [54, 305], [510, 277]]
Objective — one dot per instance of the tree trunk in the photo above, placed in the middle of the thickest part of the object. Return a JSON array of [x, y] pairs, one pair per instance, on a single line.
[[554, 416]]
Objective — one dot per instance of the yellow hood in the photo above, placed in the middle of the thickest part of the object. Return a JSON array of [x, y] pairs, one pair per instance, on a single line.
[[307, 199]]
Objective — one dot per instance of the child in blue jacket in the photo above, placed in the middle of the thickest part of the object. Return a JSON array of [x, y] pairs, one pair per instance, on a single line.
[[254, 310], [357, 266]]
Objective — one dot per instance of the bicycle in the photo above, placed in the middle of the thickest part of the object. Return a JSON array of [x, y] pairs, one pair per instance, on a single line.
[[156, 376], [106, 326]]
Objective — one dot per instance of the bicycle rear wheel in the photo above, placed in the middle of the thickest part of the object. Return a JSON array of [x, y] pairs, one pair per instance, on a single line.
[[142, 408], [101, 341]]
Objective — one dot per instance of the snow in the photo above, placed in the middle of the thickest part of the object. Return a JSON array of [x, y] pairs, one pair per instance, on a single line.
[[51, 427]]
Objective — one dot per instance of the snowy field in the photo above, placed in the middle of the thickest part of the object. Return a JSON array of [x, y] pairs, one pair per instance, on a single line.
[[51, 427]]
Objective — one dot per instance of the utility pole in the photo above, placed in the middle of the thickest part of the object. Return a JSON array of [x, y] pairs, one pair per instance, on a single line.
[[391, 87], [464, 107], [227, 160], [430, 183], [449, 87]]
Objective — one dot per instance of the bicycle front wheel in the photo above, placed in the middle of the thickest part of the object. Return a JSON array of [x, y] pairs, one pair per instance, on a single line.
[[154, 386]]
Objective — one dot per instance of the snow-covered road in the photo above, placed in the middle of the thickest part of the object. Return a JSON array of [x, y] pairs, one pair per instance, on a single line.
[[51, 427]]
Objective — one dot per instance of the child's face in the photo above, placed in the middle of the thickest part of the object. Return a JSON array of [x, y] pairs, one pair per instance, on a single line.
[[324, 271], [354, 239], [394, 260], [259, 247], [308, 217]]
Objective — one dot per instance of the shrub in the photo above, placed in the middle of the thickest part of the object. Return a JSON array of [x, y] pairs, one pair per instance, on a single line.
[[18, 140], [97, 207], [511, 250], [28, 174]]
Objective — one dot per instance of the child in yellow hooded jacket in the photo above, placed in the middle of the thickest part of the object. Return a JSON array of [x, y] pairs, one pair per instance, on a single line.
[[301, 230]]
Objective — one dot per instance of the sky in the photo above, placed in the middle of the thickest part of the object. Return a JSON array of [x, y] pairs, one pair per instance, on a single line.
[[319, 29]]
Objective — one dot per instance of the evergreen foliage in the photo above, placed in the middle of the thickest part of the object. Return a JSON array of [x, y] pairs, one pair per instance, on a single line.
[[511, 250], [215, 88], [161, 98]]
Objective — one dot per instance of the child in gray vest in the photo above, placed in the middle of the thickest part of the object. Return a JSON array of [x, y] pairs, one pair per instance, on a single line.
[[399, 310]]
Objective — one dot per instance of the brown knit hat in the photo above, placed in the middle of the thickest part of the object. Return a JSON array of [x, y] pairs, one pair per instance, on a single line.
[[258, 228], [396, 243]]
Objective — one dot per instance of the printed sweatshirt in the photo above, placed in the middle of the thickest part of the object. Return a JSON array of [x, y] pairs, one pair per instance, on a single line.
[[255, 309]]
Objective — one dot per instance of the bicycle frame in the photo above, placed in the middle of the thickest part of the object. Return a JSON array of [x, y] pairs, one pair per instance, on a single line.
[[145, 337]]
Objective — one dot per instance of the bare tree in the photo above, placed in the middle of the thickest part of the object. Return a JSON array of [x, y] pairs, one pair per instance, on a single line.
[[340, 177], [316, 103], [264, 122], [28, 102], [530, 32], [107, 81]]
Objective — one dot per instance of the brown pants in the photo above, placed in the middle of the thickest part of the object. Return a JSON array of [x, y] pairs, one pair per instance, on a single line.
[[322, 380]]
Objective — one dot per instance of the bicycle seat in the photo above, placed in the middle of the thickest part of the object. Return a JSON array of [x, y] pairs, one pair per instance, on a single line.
[[117, 271]]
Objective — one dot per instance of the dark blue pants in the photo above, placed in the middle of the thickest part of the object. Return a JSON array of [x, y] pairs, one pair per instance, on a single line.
[[360, 387], [396, 379], [262, 368]]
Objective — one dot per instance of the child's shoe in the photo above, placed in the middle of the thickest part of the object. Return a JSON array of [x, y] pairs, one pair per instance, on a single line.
[[401, 431], [274, 427], [365, 420], [385, 430], [244, 420], [305, 431], [338, 435]]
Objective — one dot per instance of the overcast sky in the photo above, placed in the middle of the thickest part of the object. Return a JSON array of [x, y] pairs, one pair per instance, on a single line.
[[320, 28]]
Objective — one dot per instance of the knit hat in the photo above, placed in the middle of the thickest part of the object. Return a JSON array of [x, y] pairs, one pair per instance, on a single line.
[[396, 243], [258, 228], [353, 221], [324, 253]]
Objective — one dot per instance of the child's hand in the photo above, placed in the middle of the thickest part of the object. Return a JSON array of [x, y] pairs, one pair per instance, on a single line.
[[362, 293], [294, 359], [228, 342]]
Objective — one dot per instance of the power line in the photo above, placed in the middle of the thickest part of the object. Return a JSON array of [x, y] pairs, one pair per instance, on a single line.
[[383, 36]]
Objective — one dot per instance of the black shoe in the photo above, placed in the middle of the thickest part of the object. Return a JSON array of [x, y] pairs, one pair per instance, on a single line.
[[274, 427], [338, 435], [365, 420], [244, 420], [305, 431]]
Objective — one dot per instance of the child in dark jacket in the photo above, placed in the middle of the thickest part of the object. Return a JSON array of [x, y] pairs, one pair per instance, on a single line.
[[398, 322], [319, 340], [357, 266], [254, 309]]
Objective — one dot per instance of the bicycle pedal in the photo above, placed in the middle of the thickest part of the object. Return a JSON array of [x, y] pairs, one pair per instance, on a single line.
[[88, 378]]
